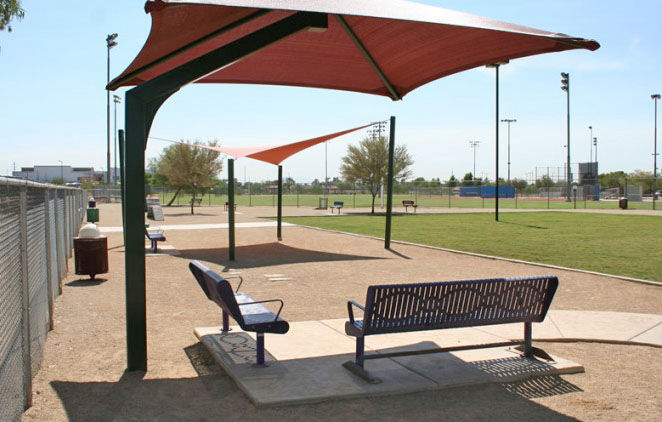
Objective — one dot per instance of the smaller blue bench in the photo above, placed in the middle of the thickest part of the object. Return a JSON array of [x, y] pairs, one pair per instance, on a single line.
[[250, 314], [154, 238], [337, 205]]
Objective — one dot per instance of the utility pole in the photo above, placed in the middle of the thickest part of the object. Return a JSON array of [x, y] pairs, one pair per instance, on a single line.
[[110, 43], [509, 121], [474, 145], [655, 97], [565, 86], [496, 135]]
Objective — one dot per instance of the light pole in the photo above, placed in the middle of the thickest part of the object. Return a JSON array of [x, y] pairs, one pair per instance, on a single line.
[[116, 100], [474, 145], [496, 135], [596, 197], [110, 43], [509, 121], [590, 160], [565, 86], [655, 97]]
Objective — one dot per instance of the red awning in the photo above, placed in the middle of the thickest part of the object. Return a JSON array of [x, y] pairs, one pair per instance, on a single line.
[[277, 154], [383, 47]]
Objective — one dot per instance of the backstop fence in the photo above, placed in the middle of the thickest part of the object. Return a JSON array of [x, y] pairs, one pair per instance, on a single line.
[[37, 225]]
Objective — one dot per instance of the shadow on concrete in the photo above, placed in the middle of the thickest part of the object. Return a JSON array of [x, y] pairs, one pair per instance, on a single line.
[[214, 396], [266, 254], [86, 282]]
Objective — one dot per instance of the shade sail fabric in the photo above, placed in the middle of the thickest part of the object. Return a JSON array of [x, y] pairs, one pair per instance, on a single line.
[[411, 43], [277, 154]]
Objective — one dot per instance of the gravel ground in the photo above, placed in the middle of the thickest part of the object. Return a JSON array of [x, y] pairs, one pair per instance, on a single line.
[[83, 378]]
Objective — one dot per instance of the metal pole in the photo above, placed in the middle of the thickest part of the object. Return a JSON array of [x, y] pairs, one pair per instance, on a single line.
[[26, 337], [115, 148], [280, 203], [496, 191], [326, 173], [108, 118], [231, 208], [389, 184], [655, 97], [568, 180]]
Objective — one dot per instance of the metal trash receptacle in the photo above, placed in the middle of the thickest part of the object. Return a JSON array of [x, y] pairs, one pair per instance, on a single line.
[[92, 215], [91, 256], [623, 203]]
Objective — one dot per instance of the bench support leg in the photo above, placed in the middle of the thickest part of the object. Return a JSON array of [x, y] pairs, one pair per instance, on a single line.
[[226, 322], [360, 347], [528, 348], [260, 349], [154, 246]]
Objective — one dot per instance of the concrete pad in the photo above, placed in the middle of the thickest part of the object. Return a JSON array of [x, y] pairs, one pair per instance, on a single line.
[[596, 325], [651, 336], [163, 250], [305, 365], [543, 330]]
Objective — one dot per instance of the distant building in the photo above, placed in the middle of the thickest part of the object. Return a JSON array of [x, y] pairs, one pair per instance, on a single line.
[[69, 174]]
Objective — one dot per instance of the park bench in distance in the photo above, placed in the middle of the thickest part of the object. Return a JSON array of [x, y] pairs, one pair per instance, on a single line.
[[154, 238], [409, 203], [196, 201], [227, 206], [337, 205], [399, 308], [251, 315]]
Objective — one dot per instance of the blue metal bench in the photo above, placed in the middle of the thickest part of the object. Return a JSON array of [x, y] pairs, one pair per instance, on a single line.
[[337, 205], [399, 308], [154, 238], [251, 315]]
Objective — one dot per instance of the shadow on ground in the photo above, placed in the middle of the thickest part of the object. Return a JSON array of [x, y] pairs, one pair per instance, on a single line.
[[214, 396], [267, 254]]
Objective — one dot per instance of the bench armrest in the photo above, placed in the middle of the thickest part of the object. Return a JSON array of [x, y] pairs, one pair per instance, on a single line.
[[350, 311], [241, 280], [266, 301]]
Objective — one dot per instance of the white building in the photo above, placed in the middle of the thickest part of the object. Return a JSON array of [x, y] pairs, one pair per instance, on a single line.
[[49, 173]]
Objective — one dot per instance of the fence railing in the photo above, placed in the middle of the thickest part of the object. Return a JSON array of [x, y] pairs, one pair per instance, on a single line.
[[37, 225]]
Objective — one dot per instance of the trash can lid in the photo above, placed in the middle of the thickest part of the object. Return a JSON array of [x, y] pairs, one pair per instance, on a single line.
[[89, 231]]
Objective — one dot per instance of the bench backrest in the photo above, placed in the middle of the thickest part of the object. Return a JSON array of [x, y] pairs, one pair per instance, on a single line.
[[338, 203], [217, 289], [428, 306], [407, 202]]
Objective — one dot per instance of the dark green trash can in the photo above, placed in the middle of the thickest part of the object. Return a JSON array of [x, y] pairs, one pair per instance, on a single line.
[[92, 215]]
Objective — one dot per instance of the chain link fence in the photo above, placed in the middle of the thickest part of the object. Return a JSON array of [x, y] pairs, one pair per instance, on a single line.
[[37, 225]]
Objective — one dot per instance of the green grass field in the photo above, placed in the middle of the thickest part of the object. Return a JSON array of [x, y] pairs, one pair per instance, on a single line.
[[613, 244], [364, 201]]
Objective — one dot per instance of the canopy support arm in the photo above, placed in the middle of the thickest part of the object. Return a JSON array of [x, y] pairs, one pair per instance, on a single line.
[[387, 83], [141, 105]]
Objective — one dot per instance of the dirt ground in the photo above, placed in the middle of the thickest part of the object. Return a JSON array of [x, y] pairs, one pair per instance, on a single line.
[[82, 375]]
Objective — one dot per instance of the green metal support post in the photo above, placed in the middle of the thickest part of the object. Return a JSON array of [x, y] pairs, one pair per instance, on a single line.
[[122, 199], [141, 105], [231, 209], [389, 184], [279, 232]]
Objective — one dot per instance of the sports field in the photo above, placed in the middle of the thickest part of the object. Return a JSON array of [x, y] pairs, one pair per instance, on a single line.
[[626, 245], [364, 201]]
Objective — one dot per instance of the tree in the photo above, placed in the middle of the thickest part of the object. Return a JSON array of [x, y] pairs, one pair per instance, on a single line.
[[452, 182], [367, 164], [468, 180], [519, 184], [10, 9], [187, 166]]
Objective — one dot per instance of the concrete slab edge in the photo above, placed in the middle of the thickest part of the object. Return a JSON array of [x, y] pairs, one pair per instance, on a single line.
[[499, 258], [429, 387]]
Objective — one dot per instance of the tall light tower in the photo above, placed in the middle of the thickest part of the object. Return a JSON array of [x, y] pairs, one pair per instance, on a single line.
[[474, 145], [565, 85], [110, 43], [509, 121], [655, 97], [116, 100]]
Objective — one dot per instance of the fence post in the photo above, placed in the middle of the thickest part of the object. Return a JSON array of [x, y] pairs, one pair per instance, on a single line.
[[25, 295], [49, 263]]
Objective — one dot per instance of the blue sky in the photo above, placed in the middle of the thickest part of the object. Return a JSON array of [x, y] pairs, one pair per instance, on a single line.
[[53, 105]]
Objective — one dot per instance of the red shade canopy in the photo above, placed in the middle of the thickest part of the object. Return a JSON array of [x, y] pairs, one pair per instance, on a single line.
[[383, 47], [276, 155]]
